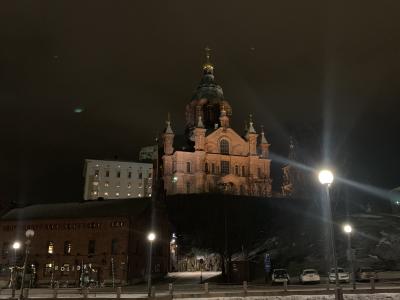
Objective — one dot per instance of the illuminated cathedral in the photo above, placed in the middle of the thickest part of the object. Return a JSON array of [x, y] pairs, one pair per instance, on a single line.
[[215, 157]]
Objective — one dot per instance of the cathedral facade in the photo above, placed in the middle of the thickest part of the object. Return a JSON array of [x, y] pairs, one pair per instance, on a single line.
[[215, 158]]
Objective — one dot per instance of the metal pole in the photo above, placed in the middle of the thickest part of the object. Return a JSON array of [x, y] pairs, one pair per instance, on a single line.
[[113, 272], [149, 270], [332, 238], [21, 296], [353, 279], [14, 274]]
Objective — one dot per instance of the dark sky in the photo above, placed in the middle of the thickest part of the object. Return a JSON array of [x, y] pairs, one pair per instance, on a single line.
[[128, 63]]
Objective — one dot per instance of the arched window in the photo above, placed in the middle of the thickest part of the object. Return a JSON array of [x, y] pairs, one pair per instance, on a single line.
[[224, 147]]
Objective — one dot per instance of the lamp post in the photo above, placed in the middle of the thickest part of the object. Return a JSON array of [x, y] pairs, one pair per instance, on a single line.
[[326, 178], [150, 237], [348, 230], [29, 235], [15, 246]]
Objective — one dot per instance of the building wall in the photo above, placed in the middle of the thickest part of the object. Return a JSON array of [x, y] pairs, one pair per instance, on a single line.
[[120, 245], [117, 179]]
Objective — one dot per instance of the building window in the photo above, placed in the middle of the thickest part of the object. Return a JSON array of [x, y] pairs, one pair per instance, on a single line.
[[140, 175], [129, 174], [128, 194], [64, 269], [188, 187], [188, 167], [105, 193], [243, 171], [50, 247], [224, 147], [67, 247], [106, 184], [206, 167], [92, 247], [118, 174], [48, 269], [237, 170], [96, 173], [224, 167], [114, 246], [117, 194], [212, 168], [129, 185], [259, 173], [107, 173]]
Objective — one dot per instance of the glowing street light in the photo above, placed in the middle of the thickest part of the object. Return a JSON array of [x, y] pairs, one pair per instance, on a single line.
[[326, 177], [151, 238], [16, 245], [29, 235], [348, 229]]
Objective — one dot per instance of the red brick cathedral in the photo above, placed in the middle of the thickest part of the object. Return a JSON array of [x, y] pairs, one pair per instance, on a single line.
[[215, 158]]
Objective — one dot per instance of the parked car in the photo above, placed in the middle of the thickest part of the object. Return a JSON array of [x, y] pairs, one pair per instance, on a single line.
[[280, 276], [310, 276], [365, 273], [342, 275]]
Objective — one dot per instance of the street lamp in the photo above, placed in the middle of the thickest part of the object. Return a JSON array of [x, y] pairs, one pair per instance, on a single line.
[[29, 235], [151, 238], [348, 230], [326, 178], [15, 246]]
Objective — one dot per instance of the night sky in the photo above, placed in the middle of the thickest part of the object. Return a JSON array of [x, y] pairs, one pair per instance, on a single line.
[[293, 64]]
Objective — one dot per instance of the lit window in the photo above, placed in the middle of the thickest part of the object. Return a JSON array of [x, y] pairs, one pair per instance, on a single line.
[[129, 185], [117, 194], [129, 194], [95, 193], [67, 247], [118, 185], [139, 195], [224, 147], [106, 184], [150, 195], [105, 193], [50, 247], [95, 183], [96, 173]]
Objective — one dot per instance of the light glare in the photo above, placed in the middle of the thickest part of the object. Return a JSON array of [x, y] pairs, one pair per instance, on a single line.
[[151, 236], [347, 228], [325, 177]]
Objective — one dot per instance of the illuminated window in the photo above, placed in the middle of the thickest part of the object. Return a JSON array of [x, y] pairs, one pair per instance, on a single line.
[[117, 194], [95, 183], [224, 147], [92, 247], [50, 247], [64, 269], [139, 195], [105, 193], [188, 167], [48, 269], [129, 194], [96, 173], [224, 167], [129, 185], [106, 184], [67, 247]]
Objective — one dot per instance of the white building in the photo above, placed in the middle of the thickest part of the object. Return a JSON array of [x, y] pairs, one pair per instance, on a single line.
[[117, 179]]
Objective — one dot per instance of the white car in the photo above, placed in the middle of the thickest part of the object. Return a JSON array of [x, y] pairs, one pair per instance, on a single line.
[[310, 276], [280, 276], [342, 275]]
